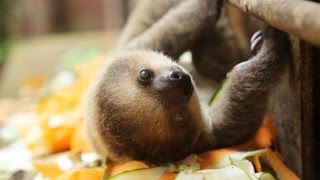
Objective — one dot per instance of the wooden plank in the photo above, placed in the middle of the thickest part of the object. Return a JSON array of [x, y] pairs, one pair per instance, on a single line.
[[295, 104], [292, 108], [284, 108], [307, 111], [316, 68], [300, 18]]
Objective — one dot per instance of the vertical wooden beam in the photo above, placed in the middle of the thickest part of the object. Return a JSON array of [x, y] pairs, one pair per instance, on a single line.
[[292, 107], [295, 103], [307, 110], [316, 107]]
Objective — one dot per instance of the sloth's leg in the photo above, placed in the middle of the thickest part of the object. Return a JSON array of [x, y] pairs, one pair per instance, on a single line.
[[144, 16], [217, 50], [177, 29], [238, 109]]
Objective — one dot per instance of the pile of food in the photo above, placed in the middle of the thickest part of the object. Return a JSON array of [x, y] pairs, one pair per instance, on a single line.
[[55, 137]]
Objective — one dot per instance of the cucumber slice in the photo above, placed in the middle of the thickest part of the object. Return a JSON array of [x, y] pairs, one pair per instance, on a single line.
[[185, 175], [223, 163], [265, 176], [190, 167], [244, 164], [227, 173], [150, 173]]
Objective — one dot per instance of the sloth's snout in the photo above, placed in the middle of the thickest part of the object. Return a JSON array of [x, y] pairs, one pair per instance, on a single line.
[[181, 80], [174, 85]]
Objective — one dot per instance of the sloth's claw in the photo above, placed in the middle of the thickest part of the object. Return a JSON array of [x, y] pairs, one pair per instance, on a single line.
[[256, 40]]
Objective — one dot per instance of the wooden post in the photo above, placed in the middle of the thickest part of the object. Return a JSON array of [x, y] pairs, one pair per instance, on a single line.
[[295, 104], [297, 17], [307, 94], [316, 67]]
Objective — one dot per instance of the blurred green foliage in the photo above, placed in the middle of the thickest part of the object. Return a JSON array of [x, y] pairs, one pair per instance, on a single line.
[[77, 56], [4, 45]]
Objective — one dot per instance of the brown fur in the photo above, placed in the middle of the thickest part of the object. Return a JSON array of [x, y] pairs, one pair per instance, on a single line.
[[126, 120], [243, 101], [174, 27]]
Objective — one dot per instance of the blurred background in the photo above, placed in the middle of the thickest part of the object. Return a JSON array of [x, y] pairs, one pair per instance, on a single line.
[[35, 35]]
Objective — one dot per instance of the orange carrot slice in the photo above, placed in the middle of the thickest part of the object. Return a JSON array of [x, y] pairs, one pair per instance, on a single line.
[[79, 141], [48, 169], [82, 174], [210, 158], [256, 163], [168, 176], [282, 170], [117, 168]]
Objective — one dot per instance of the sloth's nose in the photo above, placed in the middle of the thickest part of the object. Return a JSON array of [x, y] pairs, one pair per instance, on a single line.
[[173, 85], [181, 80], [176, 75]]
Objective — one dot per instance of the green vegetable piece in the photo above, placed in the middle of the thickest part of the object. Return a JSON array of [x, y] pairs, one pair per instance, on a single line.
[[265, 176], [243, 164], [139, 174], [227, 173], [217, 92]]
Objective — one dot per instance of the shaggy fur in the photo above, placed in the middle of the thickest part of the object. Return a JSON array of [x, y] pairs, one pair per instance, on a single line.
[[128, 121], [176, 26]]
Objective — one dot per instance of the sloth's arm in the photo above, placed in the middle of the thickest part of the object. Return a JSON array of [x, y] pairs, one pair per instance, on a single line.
[[177, 29], [145, 14], [238, 110]]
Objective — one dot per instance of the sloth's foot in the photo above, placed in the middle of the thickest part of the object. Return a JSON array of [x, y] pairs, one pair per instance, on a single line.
[[256, 40]]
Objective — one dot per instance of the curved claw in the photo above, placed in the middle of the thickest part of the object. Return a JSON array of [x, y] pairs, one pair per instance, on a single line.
[[255, 40]]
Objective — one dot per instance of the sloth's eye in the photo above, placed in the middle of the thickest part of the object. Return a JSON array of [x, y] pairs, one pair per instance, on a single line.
[[145, 76]]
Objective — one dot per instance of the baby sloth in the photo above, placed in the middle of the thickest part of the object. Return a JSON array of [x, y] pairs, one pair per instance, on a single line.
[[144, 106]]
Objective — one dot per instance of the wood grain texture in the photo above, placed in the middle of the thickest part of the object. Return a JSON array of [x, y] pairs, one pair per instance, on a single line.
[[307, 113], [295, 102], [292, 106], [316, 99], [300, 18]]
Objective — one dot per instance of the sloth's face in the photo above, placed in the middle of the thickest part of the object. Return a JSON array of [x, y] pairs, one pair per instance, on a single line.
[[170, 85], [149, 106]]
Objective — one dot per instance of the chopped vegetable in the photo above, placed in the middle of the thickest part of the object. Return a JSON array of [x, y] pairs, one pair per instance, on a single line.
[[229, 172], [49, 170], [82, 174], [168, 176], [150, 173], [282, 171], [217, 92], [59, 114], [117, 168], [265, 135], [256, 163], [212, 158], [79, 142], [265, 176]]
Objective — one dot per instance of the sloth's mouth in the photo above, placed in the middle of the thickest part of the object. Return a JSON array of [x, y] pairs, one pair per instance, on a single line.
[[178, 116]]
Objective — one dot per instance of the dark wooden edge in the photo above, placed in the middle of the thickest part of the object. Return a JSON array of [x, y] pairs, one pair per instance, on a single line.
[[316, 107], [307, 110]]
